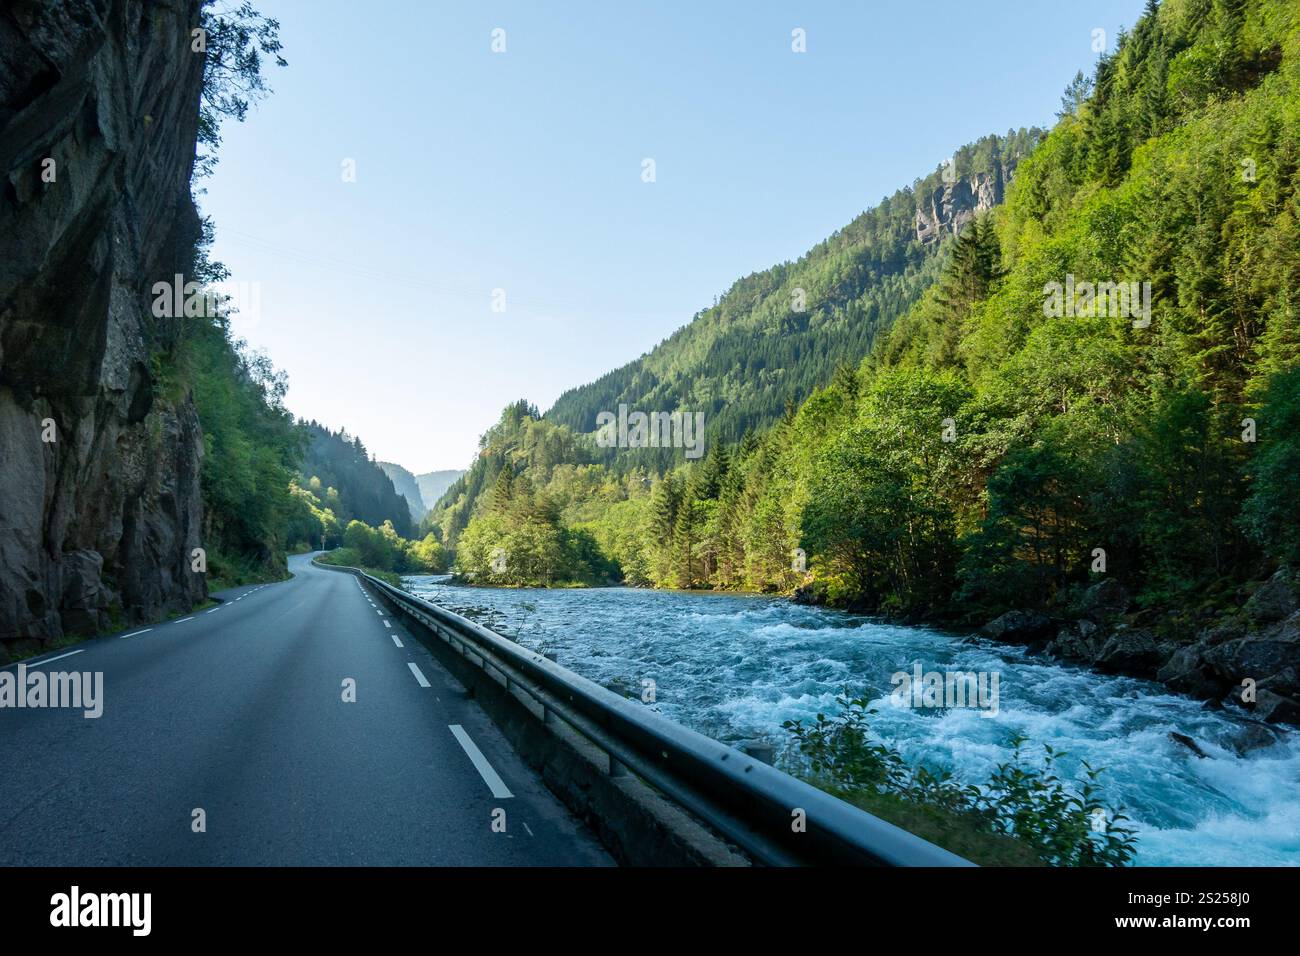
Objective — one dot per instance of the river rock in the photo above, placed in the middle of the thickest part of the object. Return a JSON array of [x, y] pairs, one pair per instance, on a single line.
[[1020, 627], [1274, 600], [1188, 672], [1254, 735], [1276, 708], [1130, 651], [1105, 600], [1271, 655], [1077, 641], [1187, 742]]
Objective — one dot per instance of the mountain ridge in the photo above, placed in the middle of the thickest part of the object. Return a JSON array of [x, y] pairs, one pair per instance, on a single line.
[[778, 333]]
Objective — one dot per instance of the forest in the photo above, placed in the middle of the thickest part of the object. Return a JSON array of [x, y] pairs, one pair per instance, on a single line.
[[980, 454]]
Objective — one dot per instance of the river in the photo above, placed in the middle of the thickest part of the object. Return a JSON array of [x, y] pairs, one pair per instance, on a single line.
[[736, 666]]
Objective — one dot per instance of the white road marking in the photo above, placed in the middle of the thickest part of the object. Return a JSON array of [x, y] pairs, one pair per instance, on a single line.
[[530, 832], [387, 623], [135, 633], [379, 612], [214, 610], [490, 776], [183, 620], [395, 640], [419, 675], [48, 660]]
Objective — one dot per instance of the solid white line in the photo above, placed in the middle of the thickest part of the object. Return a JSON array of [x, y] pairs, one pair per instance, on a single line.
[[48, 660], [424, 681], [135, 634], [395, 640], [183, 620], [490, 776]]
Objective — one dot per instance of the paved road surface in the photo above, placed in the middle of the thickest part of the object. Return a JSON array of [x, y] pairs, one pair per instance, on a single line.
[[239, 711]]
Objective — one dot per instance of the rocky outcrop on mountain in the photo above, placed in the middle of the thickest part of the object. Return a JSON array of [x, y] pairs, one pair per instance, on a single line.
[[950, 206], [99, 472]]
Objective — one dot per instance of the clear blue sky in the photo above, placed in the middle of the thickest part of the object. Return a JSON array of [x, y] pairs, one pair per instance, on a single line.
[[522, 171]]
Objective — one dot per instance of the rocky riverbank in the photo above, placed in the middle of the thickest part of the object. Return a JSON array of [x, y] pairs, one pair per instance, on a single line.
[[1245, 656]]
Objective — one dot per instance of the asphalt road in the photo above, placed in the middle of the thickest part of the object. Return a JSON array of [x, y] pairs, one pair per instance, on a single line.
[[238, 711]]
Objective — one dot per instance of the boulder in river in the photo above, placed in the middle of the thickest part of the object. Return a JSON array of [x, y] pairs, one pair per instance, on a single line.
[[1188, 672], [1020, 627], [1077, 641], [1272, 655], [1187, 742], [1130, 651], [1276, 708]]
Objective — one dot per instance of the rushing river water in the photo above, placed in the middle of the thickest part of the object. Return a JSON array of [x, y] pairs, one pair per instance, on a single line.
[[736, 666]]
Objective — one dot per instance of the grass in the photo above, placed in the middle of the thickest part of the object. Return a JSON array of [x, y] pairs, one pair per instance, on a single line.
[[955, 832]]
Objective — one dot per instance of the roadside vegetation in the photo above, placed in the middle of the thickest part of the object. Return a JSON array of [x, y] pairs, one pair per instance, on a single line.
[[1025, 814]]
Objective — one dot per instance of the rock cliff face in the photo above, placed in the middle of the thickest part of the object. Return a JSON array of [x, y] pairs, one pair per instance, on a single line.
[[950, 206], [99, 472]]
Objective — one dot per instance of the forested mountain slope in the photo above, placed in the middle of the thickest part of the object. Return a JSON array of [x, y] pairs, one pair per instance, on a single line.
[[768, 343], [405, 485], [777, 334], [1091, 418], [338, 462], [434, 484]]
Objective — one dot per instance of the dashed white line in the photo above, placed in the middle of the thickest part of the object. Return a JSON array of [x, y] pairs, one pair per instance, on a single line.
[[379, 612], [419, 675], [395, 640], [183, 620], [135, 633], [48, 660], [529, 829], [214, 610], [490, 776]]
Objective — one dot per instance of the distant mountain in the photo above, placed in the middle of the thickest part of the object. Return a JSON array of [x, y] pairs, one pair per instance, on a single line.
[[420, 491], [405, 484], [778, 334], [340, 461], [434, 484]]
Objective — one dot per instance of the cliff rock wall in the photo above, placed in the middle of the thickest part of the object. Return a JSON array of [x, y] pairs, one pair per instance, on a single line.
[[949, 207], [104, 516]]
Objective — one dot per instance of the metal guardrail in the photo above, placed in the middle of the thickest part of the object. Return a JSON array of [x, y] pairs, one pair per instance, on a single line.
[[750, 803]]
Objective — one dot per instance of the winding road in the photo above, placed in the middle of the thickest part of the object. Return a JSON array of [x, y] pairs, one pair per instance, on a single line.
[[238, 711]]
